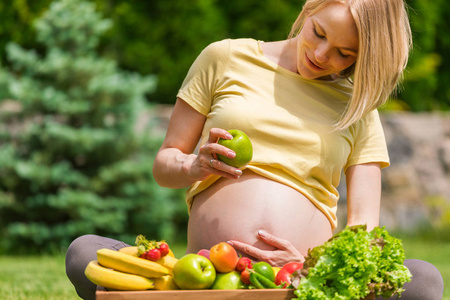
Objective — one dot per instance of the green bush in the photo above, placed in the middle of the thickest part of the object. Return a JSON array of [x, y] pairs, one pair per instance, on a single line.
[[71, 161], [163, 37]]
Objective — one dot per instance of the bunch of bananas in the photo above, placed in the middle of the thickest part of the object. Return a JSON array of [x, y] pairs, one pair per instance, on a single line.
[[125, 270]]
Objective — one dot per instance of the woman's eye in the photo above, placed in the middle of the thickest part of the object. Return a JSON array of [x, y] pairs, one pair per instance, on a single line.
[[317, 34], [343, 55]]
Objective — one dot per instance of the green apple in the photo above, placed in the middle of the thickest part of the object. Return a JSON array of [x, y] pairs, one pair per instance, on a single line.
[[241, 145], [228, 281], [194, 272]]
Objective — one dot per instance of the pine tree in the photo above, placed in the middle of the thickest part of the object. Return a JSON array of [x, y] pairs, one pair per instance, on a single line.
[[71, 162]]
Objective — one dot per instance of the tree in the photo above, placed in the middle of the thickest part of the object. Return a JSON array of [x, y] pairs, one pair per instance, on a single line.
[[162, 37], [421, 88], [71, 162]]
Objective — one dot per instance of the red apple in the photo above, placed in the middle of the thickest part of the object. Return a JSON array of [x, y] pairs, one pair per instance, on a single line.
[[284, 275]]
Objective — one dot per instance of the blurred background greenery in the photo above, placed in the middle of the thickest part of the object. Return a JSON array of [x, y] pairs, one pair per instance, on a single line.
[[163, 37], [74, 76]]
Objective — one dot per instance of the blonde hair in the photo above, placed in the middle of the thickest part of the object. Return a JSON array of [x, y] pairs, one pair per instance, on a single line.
[[384, 45]]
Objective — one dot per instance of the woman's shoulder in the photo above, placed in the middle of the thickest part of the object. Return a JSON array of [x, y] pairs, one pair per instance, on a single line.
[[231, 46]]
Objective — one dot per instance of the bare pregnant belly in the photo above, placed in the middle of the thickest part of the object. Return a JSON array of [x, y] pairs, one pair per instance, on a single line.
[[238, 209]]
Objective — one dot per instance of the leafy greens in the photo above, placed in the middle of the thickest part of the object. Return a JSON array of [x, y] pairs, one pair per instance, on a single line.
[[353, 264]]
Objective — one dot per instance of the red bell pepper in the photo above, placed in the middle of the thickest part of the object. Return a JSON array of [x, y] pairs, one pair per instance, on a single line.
[[284, 275]]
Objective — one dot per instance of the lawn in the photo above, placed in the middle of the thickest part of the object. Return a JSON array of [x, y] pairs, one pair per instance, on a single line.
[[34, 278], [44, 278]]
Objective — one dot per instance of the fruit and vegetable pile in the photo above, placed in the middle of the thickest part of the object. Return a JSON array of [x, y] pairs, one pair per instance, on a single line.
[[351, 265]]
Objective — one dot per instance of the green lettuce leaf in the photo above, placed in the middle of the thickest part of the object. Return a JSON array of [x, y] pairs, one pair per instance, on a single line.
[[353, 264]]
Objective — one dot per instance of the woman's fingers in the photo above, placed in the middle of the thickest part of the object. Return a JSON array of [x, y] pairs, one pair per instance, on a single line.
[[283, 253], [285, 248], [248, 249], [276, 258], [208, 155], [219, 168], [216, 133], [213, 149], [274, 241]]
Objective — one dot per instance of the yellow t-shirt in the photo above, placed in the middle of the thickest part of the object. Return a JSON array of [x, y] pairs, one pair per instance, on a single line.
[[289, 120]]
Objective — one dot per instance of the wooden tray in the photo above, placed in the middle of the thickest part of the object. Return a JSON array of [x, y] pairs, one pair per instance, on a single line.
[[263, 294]]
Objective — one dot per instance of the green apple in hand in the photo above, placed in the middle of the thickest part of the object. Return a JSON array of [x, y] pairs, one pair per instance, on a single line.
[[241, 145], [228, 281], [194, 272]]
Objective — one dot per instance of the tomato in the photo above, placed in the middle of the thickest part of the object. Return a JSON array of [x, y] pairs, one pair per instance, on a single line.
[[245, 277]]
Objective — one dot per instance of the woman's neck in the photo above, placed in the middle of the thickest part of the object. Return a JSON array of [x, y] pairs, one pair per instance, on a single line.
[[284, 54]]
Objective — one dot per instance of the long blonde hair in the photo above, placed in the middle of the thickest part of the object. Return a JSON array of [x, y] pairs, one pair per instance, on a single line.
[[384, 45]]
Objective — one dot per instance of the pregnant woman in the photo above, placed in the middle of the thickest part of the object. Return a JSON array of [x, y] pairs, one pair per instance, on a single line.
[[309, 105]]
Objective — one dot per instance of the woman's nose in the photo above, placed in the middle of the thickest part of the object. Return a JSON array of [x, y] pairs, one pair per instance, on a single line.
[[322, 53]]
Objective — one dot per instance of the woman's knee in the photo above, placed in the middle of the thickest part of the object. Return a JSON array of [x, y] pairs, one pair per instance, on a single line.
[[81, 249], [80, 252], [427, 282]]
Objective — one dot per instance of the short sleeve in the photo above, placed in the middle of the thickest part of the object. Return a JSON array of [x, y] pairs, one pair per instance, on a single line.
[[202, 78], [369, 142]]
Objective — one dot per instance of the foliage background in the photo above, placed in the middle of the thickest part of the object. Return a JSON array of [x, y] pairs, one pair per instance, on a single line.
[[162, 38]]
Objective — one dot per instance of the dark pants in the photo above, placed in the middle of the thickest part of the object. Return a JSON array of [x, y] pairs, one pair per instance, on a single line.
[[426, 284]]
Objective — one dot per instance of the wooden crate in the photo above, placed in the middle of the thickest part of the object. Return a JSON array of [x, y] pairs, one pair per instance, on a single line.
[[266, 294]]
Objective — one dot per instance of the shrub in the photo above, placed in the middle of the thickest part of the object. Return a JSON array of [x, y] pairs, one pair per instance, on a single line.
[[71, 161]]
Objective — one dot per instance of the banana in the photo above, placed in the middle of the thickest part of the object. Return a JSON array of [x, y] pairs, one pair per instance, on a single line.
[[133, 250], [167, 261], [116, 280], [130, 264], [165, 283]]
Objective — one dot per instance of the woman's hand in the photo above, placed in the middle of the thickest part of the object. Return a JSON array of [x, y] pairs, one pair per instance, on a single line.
[[283, 253], [206, 162], [176, 165]]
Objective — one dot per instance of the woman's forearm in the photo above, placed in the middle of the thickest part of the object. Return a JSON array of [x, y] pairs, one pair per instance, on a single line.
[[175, 165], [364, 195], [170, 168]]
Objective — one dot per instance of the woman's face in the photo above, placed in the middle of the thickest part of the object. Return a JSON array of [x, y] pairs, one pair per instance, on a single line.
[[328, 43]]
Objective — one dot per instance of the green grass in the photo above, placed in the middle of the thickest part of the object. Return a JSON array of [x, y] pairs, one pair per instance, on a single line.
[[34, 278], [44, 277]]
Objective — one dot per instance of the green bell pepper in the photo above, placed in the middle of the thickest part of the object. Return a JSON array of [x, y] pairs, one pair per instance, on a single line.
[[261, 282], [262, 276]]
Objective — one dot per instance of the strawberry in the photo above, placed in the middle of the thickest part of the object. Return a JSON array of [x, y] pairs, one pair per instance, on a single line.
[[164, 249], [245, 277], [243, 263], [153, 254]]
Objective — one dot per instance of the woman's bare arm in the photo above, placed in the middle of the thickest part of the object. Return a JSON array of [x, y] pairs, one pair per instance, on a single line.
[[364, 195], [175, 165]]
